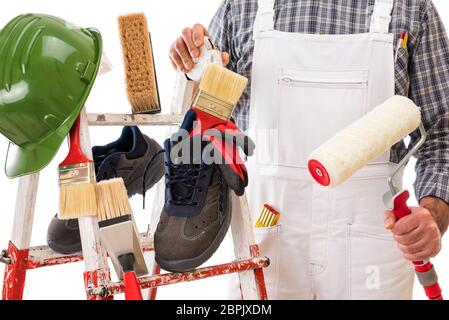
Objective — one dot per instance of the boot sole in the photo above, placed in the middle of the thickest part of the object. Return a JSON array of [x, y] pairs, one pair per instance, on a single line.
[[64, 249]]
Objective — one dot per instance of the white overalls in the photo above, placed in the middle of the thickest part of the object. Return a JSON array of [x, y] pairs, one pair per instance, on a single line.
[[331, 243]]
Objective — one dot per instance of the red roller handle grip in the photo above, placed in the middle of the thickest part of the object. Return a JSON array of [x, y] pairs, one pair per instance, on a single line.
[[401, 210], [400, 207], [132, 288]]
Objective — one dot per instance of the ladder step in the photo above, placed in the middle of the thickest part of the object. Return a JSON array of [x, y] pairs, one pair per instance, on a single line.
[[43, 256], [117, 119], [159, 280]]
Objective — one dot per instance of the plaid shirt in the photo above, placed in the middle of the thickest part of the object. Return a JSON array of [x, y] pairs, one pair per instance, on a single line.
[[421, 70]]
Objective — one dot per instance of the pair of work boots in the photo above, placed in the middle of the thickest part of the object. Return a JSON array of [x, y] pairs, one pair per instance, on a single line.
[[197, 211]]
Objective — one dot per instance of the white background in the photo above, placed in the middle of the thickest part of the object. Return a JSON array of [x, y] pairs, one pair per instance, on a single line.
[[166, 20]]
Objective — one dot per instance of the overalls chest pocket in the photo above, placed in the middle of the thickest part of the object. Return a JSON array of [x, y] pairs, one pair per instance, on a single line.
[[402, 79], [314, 105]]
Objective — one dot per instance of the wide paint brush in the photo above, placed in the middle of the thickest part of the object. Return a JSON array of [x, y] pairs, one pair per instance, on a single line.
[[119, 235], [219, 91], [76, 181]]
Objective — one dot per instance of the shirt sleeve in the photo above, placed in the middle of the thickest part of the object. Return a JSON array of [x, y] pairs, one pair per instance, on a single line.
[[220, 30], [429, 89]]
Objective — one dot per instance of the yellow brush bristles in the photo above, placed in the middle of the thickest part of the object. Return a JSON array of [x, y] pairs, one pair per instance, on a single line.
[[219, 91], [77, 200], [268, 217], [112, 199], [223, 84], [141, 82]]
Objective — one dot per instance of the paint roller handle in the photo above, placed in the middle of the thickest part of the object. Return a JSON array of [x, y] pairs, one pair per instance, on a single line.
[[400, 207], [425, 271]]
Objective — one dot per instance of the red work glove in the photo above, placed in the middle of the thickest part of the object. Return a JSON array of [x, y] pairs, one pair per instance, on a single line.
[[225, 141]]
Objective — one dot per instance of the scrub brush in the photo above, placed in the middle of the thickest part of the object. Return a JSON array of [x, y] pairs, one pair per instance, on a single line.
[[140, 73]]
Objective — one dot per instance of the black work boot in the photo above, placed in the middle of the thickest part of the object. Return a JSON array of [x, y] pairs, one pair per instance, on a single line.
[[134, 157], [196, 214], [63, 236]]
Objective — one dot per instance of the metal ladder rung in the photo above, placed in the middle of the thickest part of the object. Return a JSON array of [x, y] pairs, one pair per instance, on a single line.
[[117, 119], [159, 280]]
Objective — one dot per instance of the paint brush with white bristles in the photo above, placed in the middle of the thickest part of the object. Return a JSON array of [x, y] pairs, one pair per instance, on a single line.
[[119, 235], [76, 180]]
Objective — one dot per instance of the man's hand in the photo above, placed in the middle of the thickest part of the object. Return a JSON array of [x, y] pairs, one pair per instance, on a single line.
[[419, 234], [186, 47]]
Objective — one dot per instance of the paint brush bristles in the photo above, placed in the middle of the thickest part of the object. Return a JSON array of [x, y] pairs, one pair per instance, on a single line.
[[219, 91], [269, 217], [77, 200], [112, 199], [76, 180]]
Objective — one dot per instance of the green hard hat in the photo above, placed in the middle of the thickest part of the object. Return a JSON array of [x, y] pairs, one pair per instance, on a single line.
[[47, 69]]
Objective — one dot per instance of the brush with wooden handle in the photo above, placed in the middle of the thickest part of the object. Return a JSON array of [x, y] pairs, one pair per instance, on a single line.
[[140, 72], [219, 91], [76, 181]]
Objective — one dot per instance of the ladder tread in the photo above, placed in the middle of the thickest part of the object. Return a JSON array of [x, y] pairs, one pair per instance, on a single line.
[[123, 119]]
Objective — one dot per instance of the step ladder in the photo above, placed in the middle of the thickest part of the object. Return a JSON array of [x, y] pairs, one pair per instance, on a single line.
[[20, 257]]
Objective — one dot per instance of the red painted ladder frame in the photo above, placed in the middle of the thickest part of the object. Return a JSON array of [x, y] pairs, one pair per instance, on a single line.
[[19, 257]]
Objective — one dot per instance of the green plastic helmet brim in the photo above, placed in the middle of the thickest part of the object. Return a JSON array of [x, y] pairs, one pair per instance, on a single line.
[[22, 161]]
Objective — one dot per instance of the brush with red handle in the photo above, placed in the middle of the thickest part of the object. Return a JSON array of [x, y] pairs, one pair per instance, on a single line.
[[76, 180], [218, 93]]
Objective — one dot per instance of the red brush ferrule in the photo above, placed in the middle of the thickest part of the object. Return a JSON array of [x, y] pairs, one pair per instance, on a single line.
[[319, 173]]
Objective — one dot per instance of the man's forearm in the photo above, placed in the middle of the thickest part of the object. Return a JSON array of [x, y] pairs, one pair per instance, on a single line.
[[439, 210]]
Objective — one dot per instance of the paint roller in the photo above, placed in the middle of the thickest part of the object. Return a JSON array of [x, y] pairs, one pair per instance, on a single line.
[[363, 141]]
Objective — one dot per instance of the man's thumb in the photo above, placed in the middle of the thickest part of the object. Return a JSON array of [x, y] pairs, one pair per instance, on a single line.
[[225, 58], [389, 220]]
